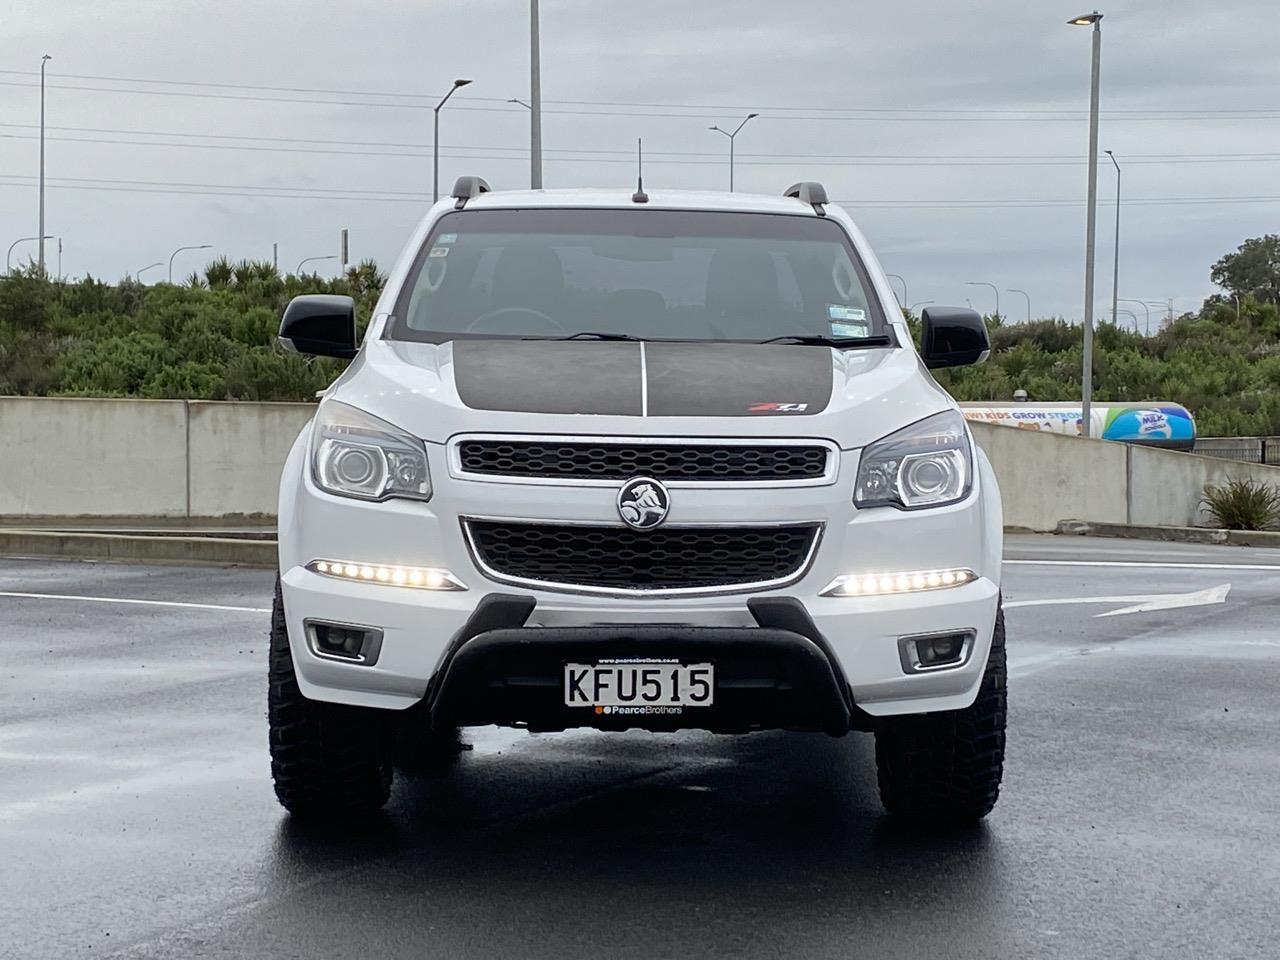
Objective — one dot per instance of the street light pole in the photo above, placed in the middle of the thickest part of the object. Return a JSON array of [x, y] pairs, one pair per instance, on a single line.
[[332, 256], [1115, 271], [1028, 296], [732, 137], [901, 280], [918, 303], [985, 283], [1086, 385], [1144, 307], [8, 257], [202, 246], [138, 275], [1165, 305], [43, 62], [435, 139], [535, 98]]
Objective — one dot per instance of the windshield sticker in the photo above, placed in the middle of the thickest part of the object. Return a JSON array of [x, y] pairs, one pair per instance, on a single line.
[[439, 252], [838, 311], [849, 329], [447, 238]]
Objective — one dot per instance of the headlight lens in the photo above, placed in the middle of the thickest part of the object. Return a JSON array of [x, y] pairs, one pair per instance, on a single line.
[[928, 464], [354, 454]]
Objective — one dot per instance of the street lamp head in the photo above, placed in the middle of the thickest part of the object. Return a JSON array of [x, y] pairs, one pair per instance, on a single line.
[[46, 57], [1085, 19], [461, 83], [750, 115]]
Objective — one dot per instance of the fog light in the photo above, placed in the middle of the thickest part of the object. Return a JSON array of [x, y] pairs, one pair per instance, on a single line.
[[879, 584], [422, 578], [935, 651], [344, 641]]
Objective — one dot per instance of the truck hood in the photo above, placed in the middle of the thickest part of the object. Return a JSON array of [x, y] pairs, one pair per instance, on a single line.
[[660, 389]]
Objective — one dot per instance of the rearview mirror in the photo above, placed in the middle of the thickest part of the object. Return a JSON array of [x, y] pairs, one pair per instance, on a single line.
[[952, 337], [320, 324]]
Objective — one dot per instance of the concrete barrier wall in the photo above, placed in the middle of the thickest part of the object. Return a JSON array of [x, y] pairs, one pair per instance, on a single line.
[[237, 453], [1045, 478], [92, 457], [1165, 488], [63, 457], [177, 458]]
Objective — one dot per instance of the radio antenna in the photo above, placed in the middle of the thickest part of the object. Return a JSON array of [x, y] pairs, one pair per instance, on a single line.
[[639, 196]]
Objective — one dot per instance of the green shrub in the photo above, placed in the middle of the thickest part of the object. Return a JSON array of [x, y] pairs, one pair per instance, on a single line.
[[1242, 504]]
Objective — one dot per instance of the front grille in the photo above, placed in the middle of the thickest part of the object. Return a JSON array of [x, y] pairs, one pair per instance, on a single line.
[[587, 460], [622, 559]]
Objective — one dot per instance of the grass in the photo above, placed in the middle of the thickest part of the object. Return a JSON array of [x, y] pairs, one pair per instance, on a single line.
[[1242, 504]]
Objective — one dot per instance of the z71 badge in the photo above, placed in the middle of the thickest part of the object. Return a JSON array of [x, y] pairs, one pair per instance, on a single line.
[[778, 408]]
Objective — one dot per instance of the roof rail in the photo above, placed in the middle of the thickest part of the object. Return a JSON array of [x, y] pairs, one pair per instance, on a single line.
[[810, 192], [468, 188]]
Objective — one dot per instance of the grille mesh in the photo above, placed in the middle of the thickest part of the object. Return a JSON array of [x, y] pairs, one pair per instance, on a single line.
[[622, 558], [621, 461]]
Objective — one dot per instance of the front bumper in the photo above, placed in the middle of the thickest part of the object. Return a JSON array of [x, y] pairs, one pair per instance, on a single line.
[[418, 626], [420, 629], [778, 674]]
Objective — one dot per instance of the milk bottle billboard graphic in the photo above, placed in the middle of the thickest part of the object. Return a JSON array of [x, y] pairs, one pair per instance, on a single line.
[[1158, 424]]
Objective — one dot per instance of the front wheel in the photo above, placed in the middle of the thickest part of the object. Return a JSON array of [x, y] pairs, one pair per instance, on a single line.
[[946, 767], [326, 758]]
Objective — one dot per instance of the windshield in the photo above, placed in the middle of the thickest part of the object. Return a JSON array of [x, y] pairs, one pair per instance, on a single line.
[[653, 274]]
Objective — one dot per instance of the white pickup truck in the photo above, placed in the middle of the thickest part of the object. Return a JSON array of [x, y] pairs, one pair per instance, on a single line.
[[624, 461]]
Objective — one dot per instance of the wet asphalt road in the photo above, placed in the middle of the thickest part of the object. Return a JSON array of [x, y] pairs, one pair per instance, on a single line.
[[1138, 817]]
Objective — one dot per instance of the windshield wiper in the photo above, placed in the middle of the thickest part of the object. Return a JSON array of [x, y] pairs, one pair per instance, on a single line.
[[589, 335], [837, 342]]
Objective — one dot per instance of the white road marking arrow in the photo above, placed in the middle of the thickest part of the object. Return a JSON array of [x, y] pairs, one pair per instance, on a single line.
[[1142, 603]]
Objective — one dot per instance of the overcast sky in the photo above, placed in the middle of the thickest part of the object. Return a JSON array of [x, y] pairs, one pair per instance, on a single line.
[[929, 84]]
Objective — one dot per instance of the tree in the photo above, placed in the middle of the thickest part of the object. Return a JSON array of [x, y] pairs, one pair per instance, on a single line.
[[1254, 269], [219, 274], [365, 278]]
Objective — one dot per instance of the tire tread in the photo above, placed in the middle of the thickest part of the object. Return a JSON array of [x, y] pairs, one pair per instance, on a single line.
[[946, 767], [326, 758]]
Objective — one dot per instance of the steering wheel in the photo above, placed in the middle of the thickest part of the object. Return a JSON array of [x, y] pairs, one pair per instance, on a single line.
[[486, 318]]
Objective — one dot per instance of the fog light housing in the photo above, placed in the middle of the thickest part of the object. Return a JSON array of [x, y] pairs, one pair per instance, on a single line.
[[880, 584], [419, 578], [935, 651], [344, 641]]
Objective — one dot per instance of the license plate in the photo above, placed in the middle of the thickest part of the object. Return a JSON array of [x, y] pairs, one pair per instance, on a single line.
[[617, 685]]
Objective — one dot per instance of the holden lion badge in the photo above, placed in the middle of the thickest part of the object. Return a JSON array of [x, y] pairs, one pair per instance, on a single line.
[[643, 503]]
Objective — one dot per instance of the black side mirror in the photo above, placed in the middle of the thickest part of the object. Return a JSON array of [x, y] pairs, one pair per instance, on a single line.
[[952, 337], [320, 324]]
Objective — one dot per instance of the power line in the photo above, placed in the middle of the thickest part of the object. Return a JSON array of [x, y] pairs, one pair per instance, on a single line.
[[934, 116], [780, 108], [962, 158], [621, 156], [356, 194]]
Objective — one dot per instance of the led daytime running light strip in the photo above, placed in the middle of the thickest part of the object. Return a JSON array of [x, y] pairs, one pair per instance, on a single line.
[[421, 578], [881, 584]]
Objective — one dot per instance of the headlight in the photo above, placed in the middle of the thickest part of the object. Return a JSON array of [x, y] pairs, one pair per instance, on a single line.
[[354, 454], [928, 464]]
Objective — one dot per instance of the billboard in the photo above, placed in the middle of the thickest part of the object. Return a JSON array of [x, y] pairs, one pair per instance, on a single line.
[[1157, 424]]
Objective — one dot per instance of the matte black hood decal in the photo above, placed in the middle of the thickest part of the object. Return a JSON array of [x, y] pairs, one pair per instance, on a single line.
[[665, 380], [737, 379], [548, 376]]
